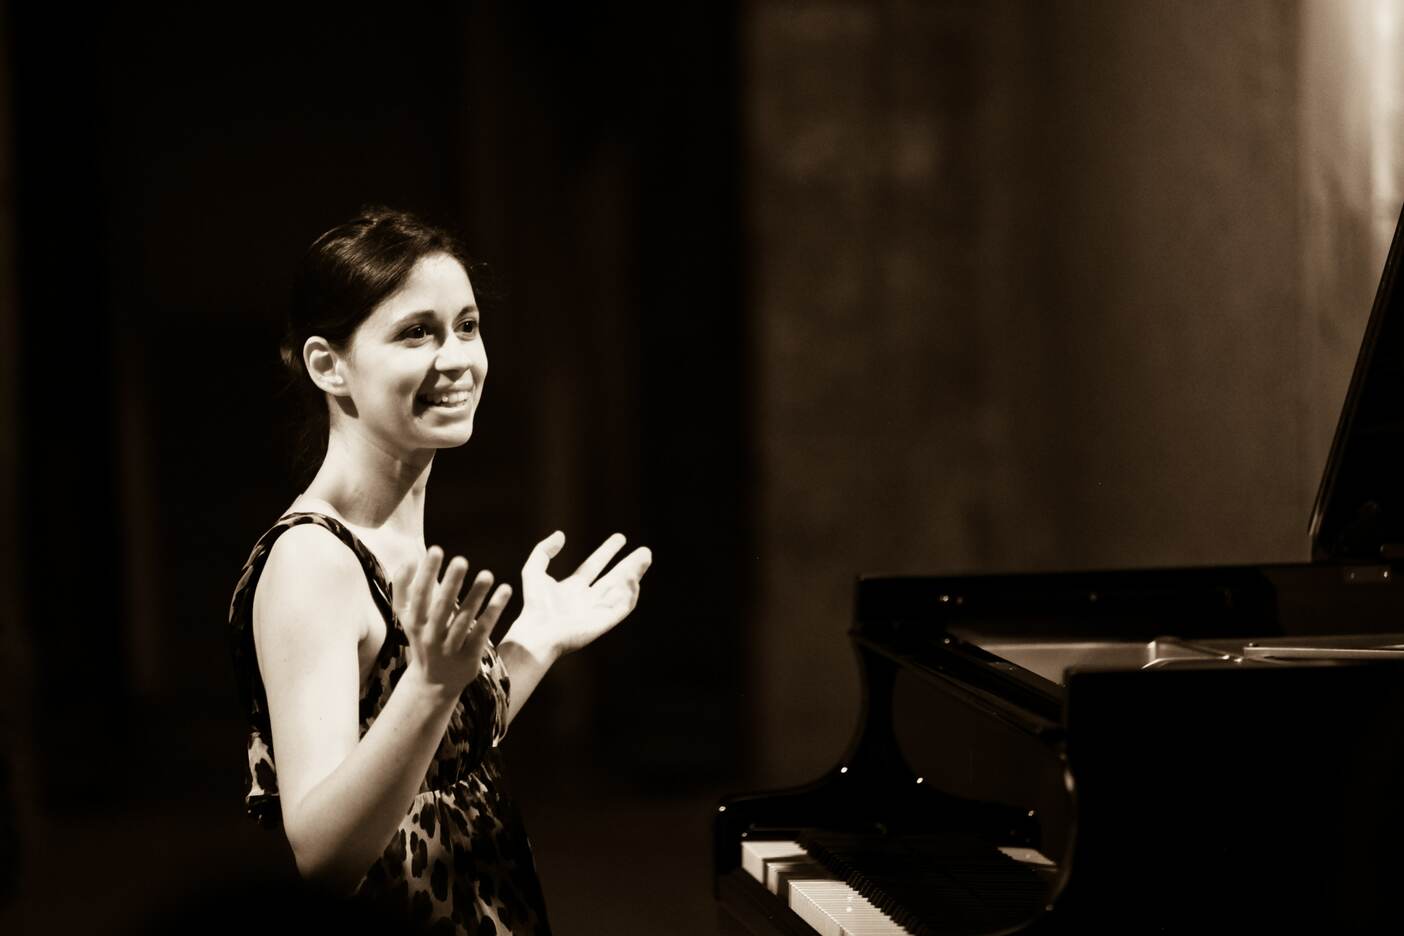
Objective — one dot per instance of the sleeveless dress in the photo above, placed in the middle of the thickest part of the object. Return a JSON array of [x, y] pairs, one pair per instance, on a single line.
[[460, 861]]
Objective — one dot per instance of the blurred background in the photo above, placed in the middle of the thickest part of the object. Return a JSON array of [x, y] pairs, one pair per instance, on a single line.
[[788, 291]]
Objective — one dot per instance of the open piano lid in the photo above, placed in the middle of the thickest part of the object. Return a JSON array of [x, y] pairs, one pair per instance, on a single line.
[[1359, 510]]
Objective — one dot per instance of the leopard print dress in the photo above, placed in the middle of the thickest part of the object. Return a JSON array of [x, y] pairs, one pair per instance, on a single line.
[[460, 861]]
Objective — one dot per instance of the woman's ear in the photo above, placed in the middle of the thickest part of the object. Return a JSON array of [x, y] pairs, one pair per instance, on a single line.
[[324, 366]]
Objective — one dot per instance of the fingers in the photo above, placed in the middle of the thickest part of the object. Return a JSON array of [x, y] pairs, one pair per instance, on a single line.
[[591, 568], [472, 635], [422, 585], [445, 598], [628, 571], [400, 581], [401, 578], [493, 611], [468, 610], [544, 552], [478, 592]]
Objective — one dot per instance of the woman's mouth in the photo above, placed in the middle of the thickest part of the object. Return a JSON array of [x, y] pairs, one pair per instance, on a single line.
[[455, 399]]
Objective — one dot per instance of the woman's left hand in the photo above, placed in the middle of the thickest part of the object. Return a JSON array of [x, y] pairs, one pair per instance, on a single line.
[[559, 616]]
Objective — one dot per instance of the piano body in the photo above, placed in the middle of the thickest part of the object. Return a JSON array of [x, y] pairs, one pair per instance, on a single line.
[[1159, 750]]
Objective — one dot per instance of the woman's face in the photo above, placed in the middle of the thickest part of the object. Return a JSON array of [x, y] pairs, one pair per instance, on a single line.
[[415, 367]]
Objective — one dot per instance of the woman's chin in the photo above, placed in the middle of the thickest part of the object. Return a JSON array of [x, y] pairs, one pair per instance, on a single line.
[[451, 438], [449, 430]]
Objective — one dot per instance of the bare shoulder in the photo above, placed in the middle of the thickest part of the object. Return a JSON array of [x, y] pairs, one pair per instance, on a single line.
[[310, 579]]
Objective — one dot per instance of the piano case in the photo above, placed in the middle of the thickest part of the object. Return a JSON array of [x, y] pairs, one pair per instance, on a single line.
[[1163, 750]]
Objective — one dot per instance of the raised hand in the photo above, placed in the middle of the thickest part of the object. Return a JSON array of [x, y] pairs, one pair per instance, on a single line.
[[446, 644], [567, 614]]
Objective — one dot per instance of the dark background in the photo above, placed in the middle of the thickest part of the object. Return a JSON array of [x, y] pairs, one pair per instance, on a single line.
[[786, 291]]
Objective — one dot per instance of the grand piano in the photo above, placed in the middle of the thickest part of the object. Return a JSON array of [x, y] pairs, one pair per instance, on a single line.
[[1142, 751]]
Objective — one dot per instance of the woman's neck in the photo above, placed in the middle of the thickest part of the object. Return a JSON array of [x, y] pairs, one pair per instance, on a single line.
[[371, 487]]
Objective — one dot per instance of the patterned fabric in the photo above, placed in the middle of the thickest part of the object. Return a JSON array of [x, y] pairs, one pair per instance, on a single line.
[[460, 861]]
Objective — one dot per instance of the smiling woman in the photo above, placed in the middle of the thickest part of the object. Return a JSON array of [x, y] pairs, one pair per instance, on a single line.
[[382, 694], [416, 368], [393, 274]]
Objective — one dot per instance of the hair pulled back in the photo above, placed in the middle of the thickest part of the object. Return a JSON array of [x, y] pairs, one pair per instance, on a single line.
[[344, 275]]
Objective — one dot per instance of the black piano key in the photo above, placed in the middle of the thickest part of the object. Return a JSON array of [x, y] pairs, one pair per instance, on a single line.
[[931, 883]]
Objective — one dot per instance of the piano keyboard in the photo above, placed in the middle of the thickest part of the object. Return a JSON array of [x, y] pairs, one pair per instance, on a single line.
[[833, 907], [827, 904]]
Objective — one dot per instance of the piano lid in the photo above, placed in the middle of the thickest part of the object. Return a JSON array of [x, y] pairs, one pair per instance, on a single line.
[[1359, 510]]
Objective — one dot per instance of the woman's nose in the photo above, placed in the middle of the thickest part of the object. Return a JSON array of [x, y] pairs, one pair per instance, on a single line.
[[454, 355]]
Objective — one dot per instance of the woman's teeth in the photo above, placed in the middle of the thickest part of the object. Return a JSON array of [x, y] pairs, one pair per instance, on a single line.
[[455, 398]]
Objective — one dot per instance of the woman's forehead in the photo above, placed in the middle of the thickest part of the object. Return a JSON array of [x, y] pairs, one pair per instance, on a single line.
[[437, 283]]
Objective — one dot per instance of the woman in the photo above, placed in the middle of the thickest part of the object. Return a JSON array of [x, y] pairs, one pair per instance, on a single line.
[[383, 698]]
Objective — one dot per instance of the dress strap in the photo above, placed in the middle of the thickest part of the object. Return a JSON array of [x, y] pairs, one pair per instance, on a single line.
[[241, 605], [382, 589]]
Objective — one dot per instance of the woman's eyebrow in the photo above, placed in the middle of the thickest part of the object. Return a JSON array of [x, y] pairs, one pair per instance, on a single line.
[[421, 315], [410, 318]]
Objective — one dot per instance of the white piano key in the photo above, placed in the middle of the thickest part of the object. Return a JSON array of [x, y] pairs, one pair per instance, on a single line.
[[1028, 856], [818, 920], [840, 908], [829, 905], [754, 855], [861, 922], [793, 869]]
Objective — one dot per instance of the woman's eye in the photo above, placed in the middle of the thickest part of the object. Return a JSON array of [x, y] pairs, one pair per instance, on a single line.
[[414, 333], [468, 326]]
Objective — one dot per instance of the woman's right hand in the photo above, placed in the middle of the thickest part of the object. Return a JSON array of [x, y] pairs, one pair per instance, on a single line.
[[446, 645]]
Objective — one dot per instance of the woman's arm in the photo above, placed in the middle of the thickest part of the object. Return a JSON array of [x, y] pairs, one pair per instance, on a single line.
[[343, 798], [560, 616], [525, 665]]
